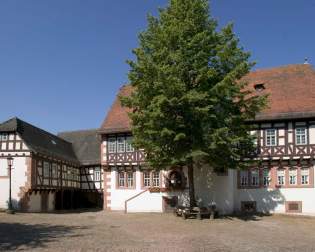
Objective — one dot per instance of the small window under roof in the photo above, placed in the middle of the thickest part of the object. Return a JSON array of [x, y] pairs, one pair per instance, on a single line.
[[53, 142], [259, 87]]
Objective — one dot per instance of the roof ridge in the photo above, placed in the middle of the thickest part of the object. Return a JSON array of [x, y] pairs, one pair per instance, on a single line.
[[282, 67], [44, 131], [77, 131]]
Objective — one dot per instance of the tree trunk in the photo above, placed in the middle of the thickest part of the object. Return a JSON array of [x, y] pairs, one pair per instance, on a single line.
[[192, 200]]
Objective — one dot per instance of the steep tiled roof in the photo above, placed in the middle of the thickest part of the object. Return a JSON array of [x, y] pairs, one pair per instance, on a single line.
[[117, 119], [291, 92], [40, 141], [86, 145]]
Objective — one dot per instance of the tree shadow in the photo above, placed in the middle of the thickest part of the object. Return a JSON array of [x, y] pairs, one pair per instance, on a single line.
[[27, 236]]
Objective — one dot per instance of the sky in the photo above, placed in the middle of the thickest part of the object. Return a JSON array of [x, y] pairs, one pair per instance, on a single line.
[[63, 61]]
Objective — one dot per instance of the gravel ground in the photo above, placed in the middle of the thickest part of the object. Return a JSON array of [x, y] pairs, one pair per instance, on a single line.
[[114, 231]]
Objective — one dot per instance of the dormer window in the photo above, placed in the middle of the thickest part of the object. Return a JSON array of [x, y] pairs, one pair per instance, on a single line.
[[259, 87]]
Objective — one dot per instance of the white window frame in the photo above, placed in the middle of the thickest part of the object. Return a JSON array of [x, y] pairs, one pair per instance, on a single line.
[[271, 139], [292, 176], [4, 136], [281, 177], [129, 147], [120, 144], [146, 179], [266, 177], [121, 179], [111, 145], [156, 179], [299, 136], [130, 179], [243, 178], [254, 177], [97, 174], [305, 176], [46, 169]]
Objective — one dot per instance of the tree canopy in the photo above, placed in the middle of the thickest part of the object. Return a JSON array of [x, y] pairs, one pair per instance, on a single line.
[[188, 100]]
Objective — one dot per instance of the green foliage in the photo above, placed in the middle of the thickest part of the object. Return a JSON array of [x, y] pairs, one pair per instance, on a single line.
[[188, 100]]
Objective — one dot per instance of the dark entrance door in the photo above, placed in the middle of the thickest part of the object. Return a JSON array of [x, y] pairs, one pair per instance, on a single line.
[[44, 201]]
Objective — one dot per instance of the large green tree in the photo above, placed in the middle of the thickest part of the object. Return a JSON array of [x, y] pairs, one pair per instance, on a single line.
[[188, 101]]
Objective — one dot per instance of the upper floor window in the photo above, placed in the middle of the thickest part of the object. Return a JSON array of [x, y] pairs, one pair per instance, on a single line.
[[271, 138], [97, 174], [305, 175], [111, 145], [120, 144], [4, 136], [129, 147], [300, 136], [266, 177], [46, 170]]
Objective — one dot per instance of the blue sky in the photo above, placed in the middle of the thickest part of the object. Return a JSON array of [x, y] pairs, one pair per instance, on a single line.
[[62, 61]]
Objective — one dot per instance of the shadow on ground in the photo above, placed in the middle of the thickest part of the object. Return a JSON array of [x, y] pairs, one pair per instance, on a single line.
[[18, 235]]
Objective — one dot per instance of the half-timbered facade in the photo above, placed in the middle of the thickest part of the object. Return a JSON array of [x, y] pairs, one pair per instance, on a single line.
[[47, 170], [282, 179]]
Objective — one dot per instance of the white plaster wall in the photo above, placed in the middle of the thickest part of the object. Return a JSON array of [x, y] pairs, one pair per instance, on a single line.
[[146, 202], [211, 188], [35, 202], [273, 200], [51, 202], [18, 180], [312, 134]]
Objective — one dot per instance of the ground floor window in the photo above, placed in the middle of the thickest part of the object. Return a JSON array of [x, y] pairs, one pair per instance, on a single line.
[[281, 177], [293, 176], [305, 174], [266, 177], [151, 179], [244, 178], [255, 177], [126, 179]]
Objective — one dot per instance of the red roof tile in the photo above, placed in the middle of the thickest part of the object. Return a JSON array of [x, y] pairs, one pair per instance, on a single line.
[[291, 92], [117, 119]]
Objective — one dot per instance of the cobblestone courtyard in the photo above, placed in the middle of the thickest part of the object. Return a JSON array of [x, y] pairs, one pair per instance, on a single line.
[[101, 231]]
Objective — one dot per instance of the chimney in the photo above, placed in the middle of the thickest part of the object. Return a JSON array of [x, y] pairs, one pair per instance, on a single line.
[[306, 61]]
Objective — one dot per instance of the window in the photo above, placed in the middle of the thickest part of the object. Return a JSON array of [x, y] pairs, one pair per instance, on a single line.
[[292, 176], [120, 144], [244, 178], [271, 137], [146, 179], [281, 177], [129, 179], [156, 179], [300, 136], [54, 171], [97, 174], [4, 136], [46, 170], [111, 145], [305, 174], [126, 179], [255, 177], [129, 147], [266, 177]]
